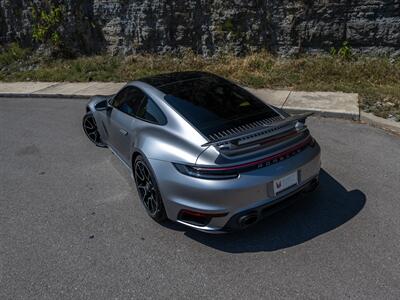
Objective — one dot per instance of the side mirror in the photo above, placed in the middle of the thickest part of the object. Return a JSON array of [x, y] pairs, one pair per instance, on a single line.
[[103, 105]]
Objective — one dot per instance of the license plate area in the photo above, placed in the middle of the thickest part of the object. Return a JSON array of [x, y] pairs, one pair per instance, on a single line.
[[286, 182]]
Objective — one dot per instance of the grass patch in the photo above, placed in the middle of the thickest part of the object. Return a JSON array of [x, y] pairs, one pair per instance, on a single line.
[[12, 54], [377, 80]]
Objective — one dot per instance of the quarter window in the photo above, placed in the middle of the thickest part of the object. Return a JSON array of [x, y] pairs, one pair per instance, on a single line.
[[149, 111], [128, 100], [136, 103]]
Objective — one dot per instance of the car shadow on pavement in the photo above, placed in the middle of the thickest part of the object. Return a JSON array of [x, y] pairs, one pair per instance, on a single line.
[[330, 206]]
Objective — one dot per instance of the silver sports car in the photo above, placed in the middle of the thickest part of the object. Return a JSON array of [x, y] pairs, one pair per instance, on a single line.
[[203, 151]]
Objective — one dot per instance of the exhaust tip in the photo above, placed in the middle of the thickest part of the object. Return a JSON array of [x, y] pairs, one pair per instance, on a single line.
[[247, 220]]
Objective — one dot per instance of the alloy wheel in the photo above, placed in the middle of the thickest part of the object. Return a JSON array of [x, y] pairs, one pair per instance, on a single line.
[[90, 128], [146, 188]]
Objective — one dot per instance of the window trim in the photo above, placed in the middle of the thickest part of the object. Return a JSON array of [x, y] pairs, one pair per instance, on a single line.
[[134, 116]]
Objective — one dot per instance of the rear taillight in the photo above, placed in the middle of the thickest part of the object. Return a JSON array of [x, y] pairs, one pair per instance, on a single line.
[[206, 173]]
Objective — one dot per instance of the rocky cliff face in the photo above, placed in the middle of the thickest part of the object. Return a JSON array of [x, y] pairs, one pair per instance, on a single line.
[[210, 26]]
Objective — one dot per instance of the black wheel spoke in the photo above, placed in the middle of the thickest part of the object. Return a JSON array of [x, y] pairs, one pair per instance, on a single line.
[[92, 135], [89, 125], [149, 204], [140, 175], [141, 187], [143, 172], [146, 198], [152, 204], [148, 178]]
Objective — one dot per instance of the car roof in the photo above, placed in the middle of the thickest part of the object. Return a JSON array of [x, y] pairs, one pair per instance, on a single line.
[[169, 78], [210, 103]]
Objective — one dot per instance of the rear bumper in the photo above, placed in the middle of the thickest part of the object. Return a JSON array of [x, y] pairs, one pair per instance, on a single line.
[[251, 191], [236, 222]]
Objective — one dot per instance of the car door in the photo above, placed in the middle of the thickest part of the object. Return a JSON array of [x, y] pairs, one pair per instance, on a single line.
[[121, 121]]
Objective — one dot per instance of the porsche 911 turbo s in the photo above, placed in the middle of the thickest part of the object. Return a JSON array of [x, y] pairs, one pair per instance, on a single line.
[[204, 151]]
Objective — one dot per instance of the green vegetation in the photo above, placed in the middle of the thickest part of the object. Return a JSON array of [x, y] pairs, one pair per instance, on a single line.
[[47, 28], [377, 80], [11, 54], [344, 52], [227, 26]]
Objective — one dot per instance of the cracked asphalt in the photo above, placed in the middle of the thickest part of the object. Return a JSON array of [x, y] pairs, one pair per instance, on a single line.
[[72, 227]]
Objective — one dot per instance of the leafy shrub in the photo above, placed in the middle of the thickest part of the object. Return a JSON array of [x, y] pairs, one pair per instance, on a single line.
[[47, 28], [344, 52], [12, 53]]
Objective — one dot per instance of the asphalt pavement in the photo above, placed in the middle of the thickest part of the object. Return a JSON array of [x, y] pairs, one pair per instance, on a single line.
[[72, 226]]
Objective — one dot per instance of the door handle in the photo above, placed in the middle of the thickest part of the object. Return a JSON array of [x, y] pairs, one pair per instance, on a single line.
[[123, 132]]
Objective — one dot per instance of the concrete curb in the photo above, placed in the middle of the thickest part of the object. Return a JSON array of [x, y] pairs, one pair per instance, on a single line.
[[325, 114], [55, 96], [381, 123], [325, 104]]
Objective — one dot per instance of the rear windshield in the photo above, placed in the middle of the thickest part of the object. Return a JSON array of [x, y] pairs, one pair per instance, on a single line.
[[213, 104]]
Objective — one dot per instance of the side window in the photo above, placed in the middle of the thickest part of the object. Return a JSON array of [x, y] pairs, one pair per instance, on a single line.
[[120, 97], [149, 111], [128, 100]]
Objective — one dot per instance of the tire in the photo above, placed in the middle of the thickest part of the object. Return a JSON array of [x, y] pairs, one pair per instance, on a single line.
[[148, 191], [90, 128]]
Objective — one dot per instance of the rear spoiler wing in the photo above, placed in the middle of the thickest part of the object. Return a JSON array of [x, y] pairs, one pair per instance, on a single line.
[[299, 118]]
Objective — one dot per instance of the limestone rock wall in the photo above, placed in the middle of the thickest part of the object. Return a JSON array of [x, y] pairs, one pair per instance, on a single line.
[[210, 26]]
